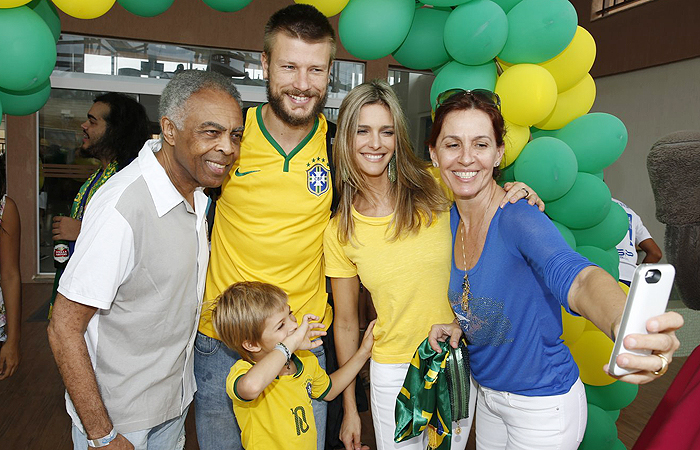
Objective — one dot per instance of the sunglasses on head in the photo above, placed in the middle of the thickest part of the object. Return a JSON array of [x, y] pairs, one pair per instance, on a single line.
[[481, 95]]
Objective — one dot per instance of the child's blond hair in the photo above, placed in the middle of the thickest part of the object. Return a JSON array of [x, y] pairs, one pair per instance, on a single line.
[[241, 311]]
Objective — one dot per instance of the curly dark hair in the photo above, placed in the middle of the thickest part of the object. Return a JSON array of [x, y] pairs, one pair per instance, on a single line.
[[127, 128]]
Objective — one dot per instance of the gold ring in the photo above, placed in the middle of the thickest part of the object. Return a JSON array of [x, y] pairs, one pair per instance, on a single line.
[[664, 365]]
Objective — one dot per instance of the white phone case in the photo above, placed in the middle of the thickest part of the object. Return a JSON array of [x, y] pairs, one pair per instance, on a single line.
[[648, 297]]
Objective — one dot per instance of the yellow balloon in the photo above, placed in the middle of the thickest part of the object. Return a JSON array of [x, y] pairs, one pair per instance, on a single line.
[[571, 105], [573, 327], [84, 9], [528, 94], [12, 3], [516, 138], [572, 64], [504, 64], [591, 352], [327, 7]]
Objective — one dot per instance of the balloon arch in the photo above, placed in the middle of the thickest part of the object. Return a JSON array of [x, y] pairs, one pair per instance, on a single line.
[[530, 52]]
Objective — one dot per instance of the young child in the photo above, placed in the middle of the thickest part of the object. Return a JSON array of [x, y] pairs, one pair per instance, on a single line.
[[272, 386]]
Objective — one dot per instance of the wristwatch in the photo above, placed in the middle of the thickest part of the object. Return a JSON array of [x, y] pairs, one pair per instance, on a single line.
[[103, 441]]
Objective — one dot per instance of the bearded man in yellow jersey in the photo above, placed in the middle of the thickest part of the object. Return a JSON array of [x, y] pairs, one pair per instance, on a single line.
[[274, 207]]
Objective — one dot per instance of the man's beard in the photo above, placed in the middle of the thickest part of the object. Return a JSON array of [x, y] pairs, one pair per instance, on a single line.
[[98, 150], [276, 102]]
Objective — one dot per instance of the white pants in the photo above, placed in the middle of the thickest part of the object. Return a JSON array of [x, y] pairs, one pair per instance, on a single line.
[[511, 421], [385, 384]]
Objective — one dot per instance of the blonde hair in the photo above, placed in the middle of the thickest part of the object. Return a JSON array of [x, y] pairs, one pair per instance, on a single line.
[[416, 193], [241, 311]]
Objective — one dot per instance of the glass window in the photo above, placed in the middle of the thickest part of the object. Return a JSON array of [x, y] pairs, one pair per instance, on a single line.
[[413, 90], [92, 58], [603, 8]]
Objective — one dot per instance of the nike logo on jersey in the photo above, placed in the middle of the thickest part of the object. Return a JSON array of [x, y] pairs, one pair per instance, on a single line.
[[238, 172]]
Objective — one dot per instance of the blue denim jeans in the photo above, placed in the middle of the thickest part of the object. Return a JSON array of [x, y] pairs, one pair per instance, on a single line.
[[217, 428], [168, 435]]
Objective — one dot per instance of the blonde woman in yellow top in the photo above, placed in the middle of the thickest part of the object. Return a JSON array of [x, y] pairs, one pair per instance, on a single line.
[[391, 230]]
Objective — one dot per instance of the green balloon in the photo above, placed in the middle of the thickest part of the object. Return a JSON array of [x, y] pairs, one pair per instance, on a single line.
[[538, 30], [548, 166], [442, 3], [507, 175], [601, 258], [27, 49], [601, 432], [506, 5], [615, 415], [476, 32], [585, 205], [373, 29], [615, 263], [537, 133], [618, 445], [456, 75], [566, 234], [612, 397], [423, 47], [25, 102], [48, 12], [151, 8], [597, 139], [226, 5], [608, 233]]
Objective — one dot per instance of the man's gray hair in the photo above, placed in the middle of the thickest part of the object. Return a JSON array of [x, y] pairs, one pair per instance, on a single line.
[[184, 84]]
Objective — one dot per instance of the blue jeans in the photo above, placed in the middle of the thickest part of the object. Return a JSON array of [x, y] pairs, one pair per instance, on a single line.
[[166, 436], [217, 428]]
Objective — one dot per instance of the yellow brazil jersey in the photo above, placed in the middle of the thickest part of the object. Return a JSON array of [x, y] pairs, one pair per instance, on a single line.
[[270, 220], [281, 417], [408, 279]]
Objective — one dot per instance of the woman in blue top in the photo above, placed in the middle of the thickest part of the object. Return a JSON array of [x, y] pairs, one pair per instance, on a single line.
[[510, 273]]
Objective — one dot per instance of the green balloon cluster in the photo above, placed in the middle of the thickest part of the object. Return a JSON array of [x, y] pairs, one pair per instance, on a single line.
[[423, 47], [597, 139], [48, 12], [373, 29], [548, 166], [150, 8], [476, 32], [225, 5], [586, 204], [538, 30], [612, 397], [506, 5], [601, 432], [28, 51], [456, 75], [566, 234], [608, 233], [607, 260], [22, 103]]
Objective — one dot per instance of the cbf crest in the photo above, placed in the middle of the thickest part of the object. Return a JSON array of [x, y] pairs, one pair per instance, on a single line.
[[318, 177]]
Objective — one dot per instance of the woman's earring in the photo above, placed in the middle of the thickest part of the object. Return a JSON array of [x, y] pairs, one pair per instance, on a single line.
[[435, 164], [391, 171]]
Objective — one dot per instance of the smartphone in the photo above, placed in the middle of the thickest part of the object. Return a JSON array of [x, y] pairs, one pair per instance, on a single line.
[[648, 297]]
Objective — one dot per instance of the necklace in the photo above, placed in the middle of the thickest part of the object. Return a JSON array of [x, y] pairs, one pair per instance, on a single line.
[[466, 288]]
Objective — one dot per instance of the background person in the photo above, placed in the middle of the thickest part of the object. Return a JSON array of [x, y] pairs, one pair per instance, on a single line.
[[272, 386], [114, 132], [10, 281], [391, 230], [511, 272], [637, 236], [126, 315]]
